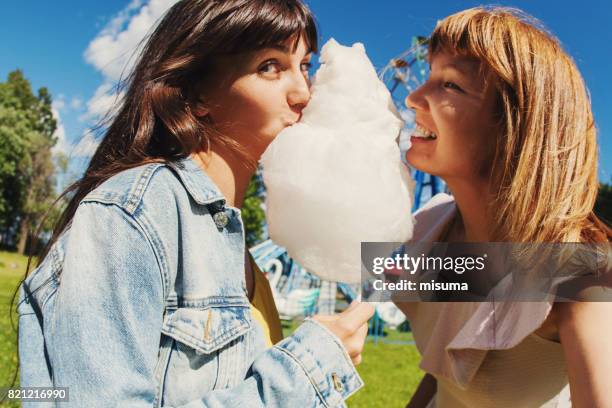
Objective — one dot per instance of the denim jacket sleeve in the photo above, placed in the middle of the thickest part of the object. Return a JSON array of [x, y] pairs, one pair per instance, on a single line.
[[108, 319]]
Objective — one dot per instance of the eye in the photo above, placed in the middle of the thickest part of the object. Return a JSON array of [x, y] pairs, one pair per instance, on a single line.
[[452, 85], [269, 68]]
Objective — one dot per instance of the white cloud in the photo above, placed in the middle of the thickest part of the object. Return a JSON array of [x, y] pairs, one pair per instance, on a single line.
[[112, 53], [87, 146], [76, 103], [62, 145], [110, 50], [84, 148], [103, 101], [59, 103]]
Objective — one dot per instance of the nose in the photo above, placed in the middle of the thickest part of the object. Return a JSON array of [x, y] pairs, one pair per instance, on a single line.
[[416, 99], [299, 92]]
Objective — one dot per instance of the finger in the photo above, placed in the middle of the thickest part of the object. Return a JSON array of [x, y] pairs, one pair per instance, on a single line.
[[356, 360], [325, 318], [362, 332], [353, 305], [352, 347], [353, 319], [364, 329]]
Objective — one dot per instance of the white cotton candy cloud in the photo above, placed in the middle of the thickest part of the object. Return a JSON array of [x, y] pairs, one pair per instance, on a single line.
[[336, 178]]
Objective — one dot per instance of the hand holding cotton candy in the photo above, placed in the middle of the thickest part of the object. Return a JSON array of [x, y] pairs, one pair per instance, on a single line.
[[336, 178]]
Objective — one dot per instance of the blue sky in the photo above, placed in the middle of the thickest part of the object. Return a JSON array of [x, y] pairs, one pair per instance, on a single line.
[[75, 48]]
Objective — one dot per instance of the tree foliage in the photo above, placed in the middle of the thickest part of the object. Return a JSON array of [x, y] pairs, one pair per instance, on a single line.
[[27, 170], [253, 215], [603, 205]]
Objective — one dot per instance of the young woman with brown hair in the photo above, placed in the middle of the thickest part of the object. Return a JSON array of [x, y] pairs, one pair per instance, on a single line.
[[146, 294]]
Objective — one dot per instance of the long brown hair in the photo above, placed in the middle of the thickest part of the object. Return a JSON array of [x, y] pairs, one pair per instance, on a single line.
[[155, 120], [545, 168]]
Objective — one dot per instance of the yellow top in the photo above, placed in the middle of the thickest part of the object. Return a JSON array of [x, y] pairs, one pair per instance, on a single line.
[[263, 307], [483, 354]]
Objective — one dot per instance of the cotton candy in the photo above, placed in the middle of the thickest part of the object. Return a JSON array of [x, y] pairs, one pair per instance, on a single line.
[[336, 178]]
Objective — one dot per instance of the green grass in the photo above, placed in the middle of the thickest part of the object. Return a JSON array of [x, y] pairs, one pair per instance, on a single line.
[[390, 371], [12, 268]]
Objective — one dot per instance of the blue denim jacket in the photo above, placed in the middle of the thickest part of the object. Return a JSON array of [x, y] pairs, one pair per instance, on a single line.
[[142, 302]]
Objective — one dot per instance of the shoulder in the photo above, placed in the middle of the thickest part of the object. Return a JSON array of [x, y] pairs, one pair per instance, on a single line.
[[575, 318], [590, 307], [441, 202], [129, 188], [133, 217], [141, 202], [431, 218], [122, 207], [158, 186]]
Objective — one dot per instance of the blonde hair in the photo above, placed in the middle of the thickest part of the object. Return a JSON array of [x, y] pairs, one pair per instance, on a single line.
[[545, 166]]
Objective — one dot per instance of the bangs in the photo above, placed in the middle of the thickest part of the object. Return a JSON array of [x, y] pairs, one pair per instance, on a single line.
[[459, 34], [464, 36], [482, 31], [262, 24]]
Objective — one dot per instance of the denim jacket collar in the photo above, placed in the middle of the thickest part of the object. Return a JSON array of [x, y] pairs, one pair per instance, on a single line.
[[199, 185]]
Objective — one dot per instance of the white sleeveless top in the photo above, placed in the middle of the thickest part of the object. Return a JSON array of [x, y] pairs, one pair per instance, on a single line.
[[484, 354]]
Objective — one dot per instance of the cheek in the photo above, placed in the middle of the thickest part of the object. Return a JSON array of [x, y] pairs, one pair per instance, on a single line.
[[463, 148], [258, 109], [469, 147], [246, 107]]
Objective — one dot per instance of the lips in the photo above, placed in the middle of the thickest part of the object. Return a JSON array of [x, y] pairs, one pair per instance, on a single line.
[[292, 122]]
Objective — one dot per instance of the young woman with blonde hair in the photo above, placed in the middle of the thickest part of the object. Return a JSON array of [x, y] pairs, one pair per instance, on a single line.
[[505, 119]]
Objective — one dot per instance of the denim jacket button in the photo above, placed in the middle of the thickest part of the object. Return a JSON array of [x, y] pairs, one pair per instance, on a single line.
[[338, 386], [221, 219]]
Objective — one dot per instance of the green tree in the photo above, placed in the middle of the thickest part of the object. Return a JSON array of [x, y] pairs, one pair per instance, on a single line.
[[603, 205], [253, 215], [27, 170], [14, 132]]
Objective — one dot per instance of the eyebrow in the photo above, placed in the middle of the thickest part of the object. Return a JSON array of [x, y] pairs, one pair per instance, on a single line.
[[283, 48], [458, 67], [279, 47], [473, 75]]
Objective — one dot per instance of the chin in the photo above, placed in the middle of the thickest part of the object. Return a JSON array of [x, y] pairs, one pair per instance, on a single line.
[[261, 141], [269, 137], [420, 163], [426, 168]]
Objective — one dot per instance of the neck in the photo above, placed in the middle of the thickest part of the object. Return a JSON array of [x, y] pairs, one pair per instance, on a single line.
[[227, 171], [472, 199]]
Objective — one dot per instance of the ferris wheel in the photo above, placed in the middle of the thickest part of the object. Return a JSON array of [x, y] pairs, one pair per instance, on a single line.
[[403, 75]]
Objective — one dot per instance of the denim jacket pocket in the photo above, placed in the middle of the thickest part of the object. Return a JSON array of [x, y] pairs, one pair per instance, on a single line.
[[212, 346], [207, 329]]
